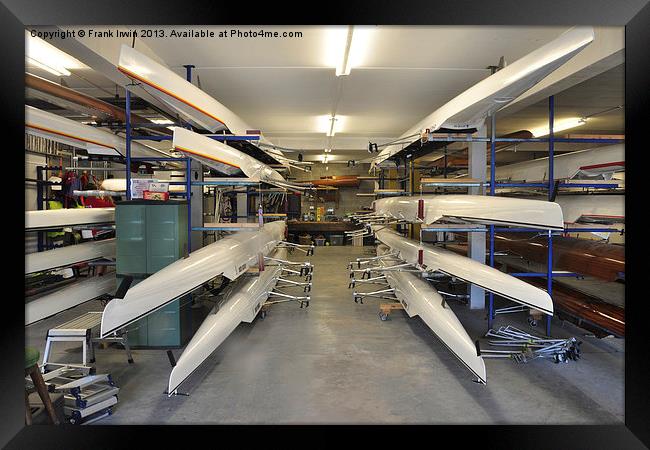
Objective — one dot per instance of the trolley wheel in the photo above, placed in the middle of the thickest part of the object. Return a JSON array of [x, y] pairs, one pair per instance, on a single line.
[[532, 322], [263, 315], [130, 360], [383, 316]]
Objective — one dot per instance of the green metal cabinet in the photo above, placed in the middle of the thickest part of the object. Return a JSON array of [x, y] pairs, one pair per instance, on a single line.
[[151, 235]]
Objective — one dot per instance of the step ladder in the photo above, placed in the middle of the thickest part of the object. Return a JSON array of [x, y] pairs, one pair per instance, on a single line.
[[82, 329], [87, 397]]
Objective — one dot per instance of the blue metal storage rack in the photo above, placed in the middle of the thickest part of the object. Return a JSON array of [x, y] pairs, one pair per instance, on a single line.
[[188, 183], [550, 185]]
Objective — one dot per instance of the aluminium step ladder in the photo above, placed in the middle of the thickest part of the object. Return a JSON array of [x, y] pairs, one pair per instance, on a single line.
[[88, 397], [81, 329]]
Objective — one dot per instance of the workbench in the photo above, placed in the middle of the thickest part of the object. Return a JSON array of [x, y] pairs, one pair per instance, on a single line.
[[314, 228], [327, 229]]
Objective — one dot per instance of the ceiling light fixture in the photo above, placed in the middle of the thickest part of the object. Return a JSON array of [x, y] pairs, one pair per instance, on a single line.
[[331, 131], [346, 63], [330, 125], [558, 125], [49, 58], [346, 47], [60, 71]]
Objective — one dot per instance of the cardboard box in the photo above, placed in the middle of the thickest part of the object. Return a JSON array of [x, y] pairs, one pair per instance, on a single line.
[[149, 195], [159, 187], [139, 185]]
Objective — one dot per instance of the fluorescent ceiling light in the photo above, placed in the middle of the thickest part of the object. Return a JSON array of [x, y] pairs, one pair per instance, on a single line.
[[59, 71], [332, 131], [325, 159], [47, 57], [558, 125], [345, 66], [328, 150], [330, 125], [346, 47]]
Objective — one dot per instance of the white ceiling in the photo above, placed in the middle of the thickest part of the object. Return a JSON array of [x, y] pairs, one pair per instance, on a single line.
[[283, 85]]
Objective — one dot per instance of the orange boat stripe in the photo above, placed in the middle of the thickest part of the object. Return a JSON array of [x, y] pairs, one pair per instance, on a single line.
[[155, 86], [177, 147], [70, 136]]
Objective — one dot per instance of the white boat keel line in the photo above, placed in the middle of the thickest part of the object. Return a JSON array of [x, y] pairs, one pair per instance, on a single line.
[[431, 258], [243, 303], [419, 298]]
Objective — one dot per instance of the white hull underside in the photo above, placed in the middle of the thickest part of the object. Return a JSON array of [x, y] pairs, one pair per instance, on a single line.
[[469, 109], [94, 140], [68, 297], [58, 218], [194, 105], [474, 208], [72, 254], [605, 208], [466, 269], [599, 162], [242, 304], [230, 257], [222, 157], [421, 299], [119, 185]]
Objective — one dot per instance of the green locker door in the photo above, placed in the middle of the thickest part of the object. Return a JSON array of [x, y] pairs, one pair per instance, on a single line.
[[160, 233], [165, 235], [166, 243], [131, 249]]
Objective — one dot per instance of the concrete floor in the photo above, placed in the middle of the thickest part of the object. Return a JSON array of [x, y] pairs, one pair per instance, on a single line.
[[336, 362]]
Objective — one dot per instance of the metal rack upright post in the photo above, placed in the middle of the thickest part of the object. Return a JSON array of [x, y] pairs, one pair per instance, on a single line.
[[188, 183]]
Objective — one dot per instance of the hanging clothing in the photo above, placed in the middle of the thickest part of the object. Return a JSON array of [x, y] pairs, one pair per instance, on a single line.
[[71, 183]]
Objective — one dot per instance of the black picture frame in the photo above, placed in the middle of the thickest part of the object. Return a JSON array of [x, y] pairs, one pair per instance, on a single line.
[[633, 14]]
